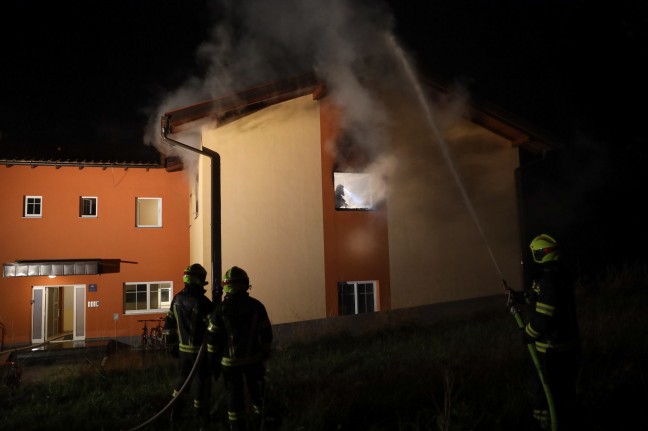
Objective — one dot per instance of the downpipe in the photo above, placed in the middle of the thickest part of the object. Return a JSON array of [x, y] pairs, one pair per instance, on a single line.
[[216, 252]]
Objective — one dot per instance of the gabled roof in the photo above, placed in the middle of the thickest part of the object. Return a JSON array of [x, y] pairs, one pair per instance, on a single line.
[[237, 105], [234, 106], [520, 132]]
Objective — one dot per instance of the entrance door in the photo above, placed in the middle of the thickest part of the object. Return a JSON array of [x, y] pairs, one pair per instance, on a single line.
[[79, 313], [57, 309], [38, 314], [53, 315]]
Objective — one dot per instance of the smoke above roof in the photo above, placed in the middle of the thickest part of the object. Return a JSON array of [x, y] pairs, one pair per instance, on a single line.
[[348, 44]]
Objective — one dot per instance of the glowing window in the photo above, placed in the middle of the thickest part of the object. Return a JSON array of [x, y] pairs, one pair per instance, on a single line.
[[353, 191], [149, 212]]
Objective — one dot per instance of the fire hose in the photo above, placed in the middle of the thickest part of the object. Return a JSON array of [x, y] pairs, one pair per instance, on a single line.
[[186, 384], [515, 311]]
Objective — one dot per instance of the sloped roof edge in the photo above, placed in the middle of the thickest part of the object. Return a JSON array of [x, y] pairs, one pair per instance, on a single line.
[[503, 123], [233, 106]]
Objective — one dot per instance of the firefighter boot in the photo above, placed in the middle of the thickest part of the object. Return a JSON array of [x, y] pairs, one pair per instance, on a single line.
[[201, 417], [176, 412], [257, 416], [543, 419], [238, 426]]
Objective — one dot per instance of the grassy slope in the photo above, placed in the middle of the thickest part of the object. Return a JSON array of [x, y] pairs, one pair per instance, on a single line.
[[459, 376]]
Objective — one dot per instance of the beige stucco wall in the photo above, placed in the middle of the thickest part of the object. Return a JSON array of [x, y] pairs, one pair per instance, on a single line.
[[453, 221], [200, 218], [452, 208], [271, 196]]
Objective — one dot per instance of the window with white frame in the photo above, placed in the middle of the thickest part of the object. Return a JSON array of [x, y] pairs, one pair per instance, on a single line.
[[149, 212], [147, 296], [88, 206], [33, 206], [356, 297]]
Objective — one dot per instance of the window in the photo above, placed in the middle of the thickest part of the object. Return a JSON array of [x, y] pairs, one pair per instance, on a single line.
[[355, 297], [147, 296], [149, 212], [353, 191], [87, 206], [33, 206]]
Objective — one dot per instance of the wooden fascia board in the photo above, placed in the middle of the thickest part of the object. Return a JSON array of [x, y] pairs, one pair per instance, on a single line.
[[230, 107], [501, 123], [500, 128]]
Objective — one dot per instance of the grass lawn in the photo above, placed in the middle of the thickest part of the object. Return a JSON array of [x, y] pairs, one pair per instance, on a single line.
[[445, 376]]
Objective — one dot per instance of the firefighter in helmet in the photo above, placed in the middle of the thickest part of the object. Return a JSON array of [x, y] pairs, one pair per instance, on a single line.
[[240, 333], [553, 328], [185, 327]]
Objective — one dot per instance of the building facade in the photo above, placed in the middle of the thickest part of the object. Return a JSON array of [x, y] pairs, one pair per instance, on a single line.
[[89, 251], [328, 224]]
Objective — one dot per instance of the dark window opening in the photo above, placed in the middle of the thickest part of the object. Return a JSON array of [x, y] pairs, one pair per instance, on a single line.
[[356, 297]]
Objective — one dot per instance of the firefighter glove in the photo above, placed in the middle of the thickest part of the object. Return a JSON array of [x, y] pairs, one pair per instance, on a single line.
[[518, 297], [174, 350], [526, 338]]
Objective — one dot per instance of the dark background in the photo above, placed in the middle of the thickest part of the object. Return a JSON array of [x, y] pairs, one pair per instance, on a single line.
[[85, 76]]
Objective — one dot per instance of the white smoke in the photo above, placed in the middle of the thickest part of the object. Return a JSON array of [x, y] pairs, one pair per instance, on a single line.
[[257, 41]]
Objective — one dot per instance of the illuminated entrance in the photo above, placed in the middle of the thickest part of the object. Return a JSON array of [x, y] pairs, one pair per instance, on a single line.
[[58, 311]]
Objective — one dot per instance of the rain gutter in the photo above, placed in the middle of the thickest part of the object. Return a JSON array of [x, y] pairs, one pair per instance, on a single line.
[[216, 255]]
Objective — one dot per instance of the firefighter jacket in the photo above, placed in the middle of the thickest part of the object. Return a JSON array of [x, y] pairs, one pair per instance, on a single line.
[[553, 323], [188, 318], [240, 331]]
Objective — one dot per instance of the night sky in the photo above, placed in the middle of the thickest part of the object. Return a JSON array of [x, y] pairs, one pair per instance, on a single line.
[[91, 74]]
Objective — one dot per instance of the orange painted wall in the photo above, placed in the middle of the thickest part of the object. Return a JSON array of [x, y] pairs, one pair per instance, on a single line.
[[356, 243], [160, 254]]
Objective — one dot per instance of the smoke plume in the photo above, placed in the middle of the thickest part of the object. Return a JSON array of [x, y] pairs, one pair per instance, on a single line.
[[348, 44]]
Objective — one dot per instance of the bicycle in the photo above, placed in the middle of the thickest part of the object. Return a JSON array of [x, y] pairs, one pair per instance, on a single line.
[[144, 339], [157, 335]]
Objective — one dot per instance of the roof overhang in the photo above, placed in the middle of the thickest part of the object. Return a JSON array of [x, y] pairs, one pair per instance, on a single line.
[[518, 131], [60, 267], [231, 107]]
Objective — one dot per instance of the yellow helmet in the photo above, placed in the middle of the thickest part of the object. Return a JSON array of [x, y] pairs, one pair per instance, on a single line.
[[544, 248], [235, 280], [195, 274]]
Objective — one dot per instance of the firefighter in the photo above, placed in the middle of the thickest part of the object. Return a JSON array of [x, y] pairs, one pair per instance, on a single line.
[[340, 202], [553, 327], [241, 335], [185, 327]]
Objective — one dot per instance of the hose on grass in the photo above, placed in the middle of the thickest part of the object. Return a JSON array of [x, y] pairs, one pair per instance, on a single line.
[[185, 385]]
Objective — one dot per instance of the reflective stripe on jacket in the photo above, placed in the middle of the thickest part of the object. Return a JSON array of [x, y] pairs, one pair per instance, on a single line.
[[553, 323], [188, 317], [240, 330]]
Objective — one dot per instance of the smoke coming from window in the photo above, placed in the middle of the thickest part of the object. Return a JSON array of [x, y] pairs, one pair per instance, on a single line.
[[347, 44]]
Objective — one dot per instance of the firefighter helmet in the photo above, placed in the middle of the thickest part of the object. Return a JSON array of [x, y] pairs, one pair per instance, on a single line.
[[195, 274], [544, 248], [235, 280]]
